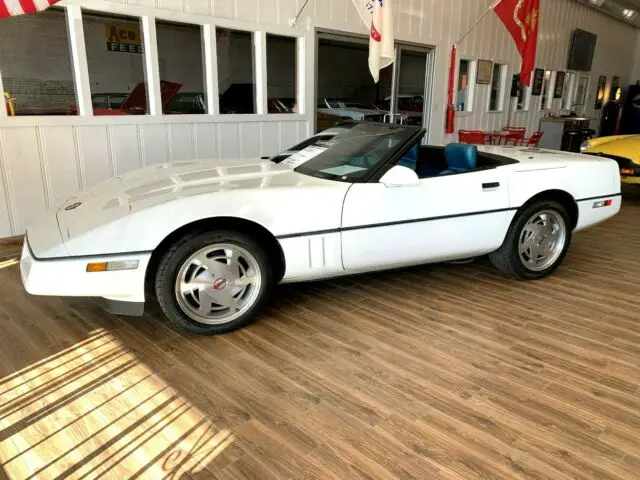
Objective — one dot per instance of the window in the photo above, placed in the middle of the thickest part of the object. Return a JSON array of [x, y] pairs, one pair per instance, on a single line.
[[547, 92], [466, 81], [115, 56], [523, 94], [36, 64], [567, 94], [580, 98], [281, 74], [496, 95], [236, 78], [180, 62]]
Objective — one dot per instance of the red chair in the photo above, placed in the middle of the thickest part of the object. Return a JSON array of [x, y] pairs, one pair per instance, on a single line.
[[533, 140], [493, 138], [514, 135], [471, 136]]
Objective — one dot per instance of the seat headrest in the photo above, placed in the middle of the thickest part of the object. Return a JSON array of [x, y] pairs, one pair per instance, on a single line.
[[461, 156]]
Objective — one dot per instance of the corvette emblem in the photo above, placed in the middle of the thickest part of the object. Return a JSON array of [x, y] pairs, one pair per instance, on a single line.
[[73, 205], [219, 283]]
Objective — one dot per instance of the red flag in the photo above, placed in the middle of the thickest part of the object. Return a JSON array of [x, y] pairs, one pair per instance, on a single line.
[[521, 19], [11, 8]]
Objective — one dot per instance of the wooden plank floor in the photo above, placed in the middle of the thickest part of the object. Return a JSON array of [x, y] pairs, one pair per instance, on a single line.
[[435, 372]]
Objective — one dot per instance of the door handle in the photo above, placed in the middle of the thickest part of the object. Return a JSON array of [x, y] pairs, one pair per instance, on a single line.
[[490, 185]]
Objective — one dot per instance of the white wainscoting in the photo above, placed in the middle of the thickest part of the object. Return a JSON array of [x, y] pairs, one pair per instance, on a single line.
[[45, 163], [44, 160]]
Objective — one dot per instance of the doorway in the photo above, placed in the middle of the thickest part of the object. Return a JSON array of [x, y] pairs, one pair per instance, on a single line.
[[345, 88]]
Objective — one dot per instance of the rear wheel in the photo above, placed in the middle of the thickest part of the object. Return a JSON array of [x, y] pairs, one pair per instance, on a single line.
[[213, 282], [536, 243]]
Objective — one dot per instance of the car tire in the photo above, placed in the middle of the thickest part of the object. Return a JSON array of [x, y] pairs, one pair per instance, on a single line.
[[203, 268], [530, 251]]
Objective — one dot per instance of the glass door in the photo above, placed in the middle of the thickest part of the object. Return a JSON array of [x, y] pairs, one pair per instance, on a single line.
[[411, 86], [345, 88]]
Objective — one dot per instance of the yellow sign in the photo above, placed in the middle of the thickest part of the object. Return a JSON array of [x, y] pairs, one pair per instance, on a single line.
[[123, 37], [11, 111]]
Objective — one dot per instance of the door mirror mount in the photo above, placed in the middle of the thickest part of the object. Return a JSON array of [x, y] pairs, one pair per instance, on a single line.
[[399, 176]]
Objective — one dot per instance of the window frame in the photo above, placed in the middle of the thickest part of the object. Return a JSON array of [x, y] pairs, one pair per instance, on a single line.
[[473, 71], [527, 92], [305, 47], [549, 91], [501, 87]]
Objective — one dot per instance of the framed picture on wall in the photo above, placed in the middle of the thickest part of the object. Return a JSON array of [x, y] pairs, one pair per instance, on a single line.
[[485, 69], [538, 79], [559, 88], [602, 85]]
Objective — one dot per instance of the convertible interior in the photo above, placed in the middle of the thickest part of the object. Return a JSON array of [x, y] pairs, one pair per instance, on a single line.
[[432, 161]]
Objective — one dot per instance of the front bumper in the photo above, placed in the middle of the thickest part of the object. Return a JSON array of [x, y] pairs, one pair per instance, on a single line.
[[68, 276]]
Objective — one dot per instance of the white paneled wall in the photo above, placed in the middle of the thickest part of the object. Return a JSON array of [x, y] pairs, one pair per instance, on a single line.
[[43, 160], [45, 164]]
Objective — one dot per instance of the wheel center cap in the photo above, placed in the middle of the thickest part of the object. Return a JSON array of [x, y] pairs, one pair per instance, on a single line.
[[219, 283]]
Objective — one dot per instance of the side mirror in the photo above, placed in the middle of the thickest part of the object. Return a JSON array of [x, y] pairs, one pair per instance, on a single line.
[[400, 176]]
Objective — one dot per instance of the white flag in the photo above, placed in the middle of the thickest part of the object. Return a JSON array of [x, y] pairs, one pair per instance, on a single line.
[[377, 16]]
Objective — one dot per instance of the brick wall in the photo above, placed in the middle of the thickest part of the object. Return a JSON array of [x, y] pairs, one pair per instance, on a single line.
[[35, 61]]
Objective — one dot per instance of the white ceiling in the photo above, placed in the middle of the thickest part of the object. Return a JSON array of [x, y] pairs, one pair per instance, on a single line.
[[615, 8]]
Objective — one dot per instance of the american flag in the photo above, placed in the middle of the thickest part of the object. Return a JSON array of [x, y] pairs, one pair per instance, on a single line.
[[11, 8]]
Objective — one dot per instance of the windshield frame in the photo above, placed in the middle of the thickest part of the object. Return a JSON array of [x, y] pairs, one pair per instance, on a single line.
[[383, 165]]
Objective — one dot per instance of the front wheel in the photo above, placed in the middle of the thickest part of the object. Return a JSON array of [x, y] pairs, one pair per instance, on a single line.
[[536, 243], [213, 282]]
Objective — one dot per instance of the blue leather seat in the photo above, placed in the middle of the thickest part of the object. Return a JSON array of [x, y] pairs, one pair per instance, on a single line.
[[461, 157], [410, 159]]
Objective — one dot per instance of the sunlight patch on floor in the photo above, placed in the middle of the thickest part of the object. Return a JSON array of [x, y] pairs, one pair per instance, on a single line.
[[95, 411], [8, 263]]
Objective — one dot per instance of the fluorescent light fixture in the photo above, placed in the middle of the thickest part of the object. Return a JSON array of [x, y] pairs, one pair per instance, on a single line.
[[597, 3], [628, 13]]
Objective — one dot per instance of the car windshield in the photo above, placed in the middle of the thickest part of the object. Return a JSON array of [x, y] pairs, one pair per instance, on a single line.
[[352, 154]]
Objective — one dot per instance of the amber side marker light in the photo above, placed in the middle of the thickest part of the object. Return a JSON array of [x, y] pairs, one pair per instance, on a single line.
[[112, 266], [627, 171]]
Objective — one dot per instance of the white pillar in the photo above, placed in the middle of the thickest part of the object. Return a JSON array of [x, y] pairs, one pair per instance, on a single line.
[[75, 31], [151, 69], [210, 59], [260, 68]]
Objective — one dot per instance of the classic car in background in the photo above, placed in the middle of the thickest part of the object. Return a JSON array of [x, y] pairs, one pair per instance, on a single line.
[[108, 100], [624, 149], [352, 110], [409, 107]]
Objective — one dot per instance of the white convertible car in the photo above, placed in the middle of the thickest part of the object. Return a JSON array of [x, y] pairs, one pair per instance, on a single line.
[[210, 242]]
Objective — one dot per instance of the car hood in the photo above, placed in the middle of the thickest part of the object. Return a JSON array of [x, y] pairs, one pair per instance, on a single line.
[[150, 186]]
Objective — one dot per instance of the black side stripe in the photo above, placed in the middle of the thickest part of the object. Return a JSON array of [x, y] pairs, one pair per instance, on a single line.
[[599, 197], [390, 224], [420, 220]]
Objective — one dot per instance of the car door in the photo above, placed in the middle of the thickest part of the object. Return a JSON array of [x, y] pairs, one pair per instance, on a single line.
[[440, 218]]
